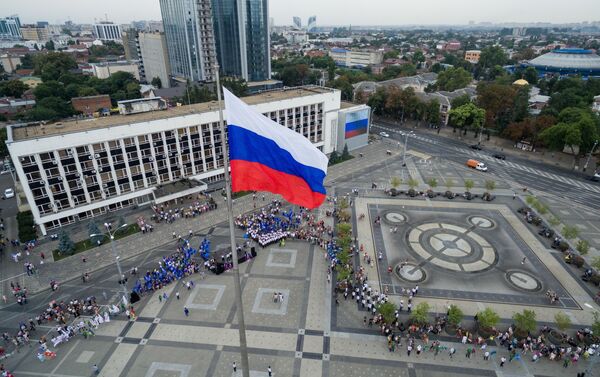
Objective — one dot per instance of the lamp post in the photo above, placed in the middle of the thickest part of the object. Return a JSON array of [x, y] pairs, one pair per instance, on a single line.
[[406, 135], [590, 155], [111, 235]]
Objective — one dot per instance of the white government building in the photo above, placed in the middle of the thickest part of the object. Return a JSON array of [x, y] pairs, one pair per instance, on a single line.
[[75, 170]]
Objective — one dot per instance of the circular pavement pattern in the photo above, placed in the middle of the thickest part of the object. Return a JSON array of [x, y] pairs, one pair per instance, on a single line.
[[451, 247], [481, 222], [523, 280], [411, 272], [394, 218]]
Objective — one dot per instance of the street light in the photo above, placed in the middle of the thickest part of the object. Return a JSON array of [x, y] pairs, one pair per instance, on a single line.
[[406, 135], [111, 236], [590, 155]]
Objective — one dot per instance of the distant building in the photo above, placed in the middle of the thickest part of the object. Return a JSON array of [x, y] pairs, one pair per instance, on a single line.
[[296, 36], [107, 31], [453, 46], [91, 104], [141, 105], [472, 56], [297, 22], [316, 53], [10, 62], [418, 83], [596, 104], [105, 70], [261, 86], [10, 28], [131, 44], [242, 38], [10, 106], [311, 27], [356, 58], [567, 62], [155, 58], [519, 31], [188, 26], [34, 33]]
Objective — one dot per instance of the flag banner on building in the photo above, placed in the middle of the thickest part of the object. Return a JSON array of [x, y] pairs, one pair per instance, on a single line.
[[266, 156]]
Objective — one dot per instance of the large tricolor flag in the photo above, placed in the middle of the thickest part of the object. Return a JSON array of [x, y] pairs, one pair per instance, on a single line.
[[266, 156]]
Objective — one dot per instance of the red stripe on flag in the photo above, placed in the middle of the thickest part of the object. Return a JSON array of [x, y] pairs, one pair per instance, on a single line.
[[252, 176]]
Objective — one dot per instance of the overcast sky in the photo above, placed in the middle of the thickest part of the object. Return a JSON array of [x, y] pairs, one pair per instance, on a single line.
[[328, 12]]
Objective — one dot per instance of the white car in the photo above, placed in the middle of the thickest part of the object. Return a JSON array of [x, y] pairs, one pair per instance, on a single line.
[[384, 134], [9, 193]]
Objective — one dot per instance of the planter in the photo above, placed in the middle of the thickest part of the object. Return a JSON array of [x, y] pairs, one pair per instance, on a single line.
[[556, 337], [412, 193], [485, 333], [393, 192], [430, 194], [449, 194], [451, 329]]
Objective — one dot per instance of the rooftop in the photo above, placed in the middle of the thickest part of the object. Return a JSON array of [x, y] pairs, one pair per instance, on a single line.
[[34, 131]]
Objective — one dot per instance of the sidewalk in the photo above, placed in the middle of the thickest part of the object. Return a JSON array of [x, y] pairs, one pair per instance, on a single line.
[[134, 245]]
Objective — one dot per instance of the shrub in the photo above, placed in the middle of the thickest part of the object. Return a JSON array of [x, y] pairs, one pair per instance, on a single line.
[[412, 183], [525, 321], [570, 232], [578, 261], [488, 318], [596, 263], [395, 182], [596, 324], [344, 229], [563, 246], [469, 184], [26, 225], [583, 247], [65, 244], [420, 313], [455, 315]]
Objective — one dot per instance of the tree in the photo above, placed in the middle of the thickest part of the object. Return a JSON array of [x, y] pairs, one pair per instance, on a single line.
[[467, 116], [13, 88], [94, 230], [492, 56], [469, 184], [345, 154], [449, 184], [388, 311], [65, 245], [334, 158], [583, 247], [432, 182], [576, 128], [459, 101], [498, 101], [596, 324], [420, 313], [490, 185], [52, 65], [49, 45], [563, 321], [3, 138], [570, 232], [344, 85], [530, 75], [156, 82], [455, 315], [395, 182], [596, 263], [554, 221], [453, 78], [412, 183], [391, 54], [418, 57], [488, 318], [235, 86], [525, 321], [344, 229]]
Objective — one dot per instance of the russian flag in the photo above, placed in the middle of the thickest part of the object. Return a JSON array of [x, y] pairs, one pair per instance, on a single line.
[[266, 156]]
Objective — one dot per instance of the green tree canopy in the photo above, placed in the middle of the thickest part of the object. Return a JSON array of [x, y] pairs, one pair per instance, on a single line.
[[576, 127], [52, 65], [13, 88], [467, 116], [156, 82], [453, 78], [492, 56]]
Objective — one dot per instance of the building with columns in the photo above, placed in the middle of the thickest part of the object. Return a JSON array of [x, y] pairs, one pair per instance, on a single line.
[[74, 170]]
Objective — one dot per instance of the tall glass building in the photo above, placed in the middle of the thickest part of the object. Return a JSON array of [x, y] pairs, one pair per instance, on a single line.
[[188, 30], [242, 38]]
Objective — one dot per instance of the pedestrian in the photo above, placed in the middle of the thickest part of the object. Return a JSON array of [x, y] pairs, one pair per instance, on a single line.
[[95, 369], [269, 371], [408, 350], [451, 352], [486, 355], [5, 299], [468, 354], [234, 367], [159, 298], [104, 295], [523, 261], [177, 295], [502, 361], [566, 362], [186, 311]]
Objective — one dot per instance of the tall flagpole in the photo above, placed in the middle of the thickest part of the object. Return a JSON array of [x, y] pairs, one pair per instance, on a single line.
[[234, 256]]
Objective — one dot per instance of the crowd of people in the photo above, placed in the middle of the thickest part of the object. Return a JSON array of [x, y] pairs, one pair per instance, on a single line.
[[168, 213]]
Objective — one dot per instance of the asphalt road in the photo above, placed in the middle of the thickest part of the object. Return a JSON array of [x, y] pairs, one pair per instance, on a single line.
[[537, 177]]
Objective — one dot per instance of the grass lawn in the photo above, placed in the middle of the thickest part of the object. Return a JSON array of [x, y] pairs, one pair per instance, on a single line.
[[87, 244]]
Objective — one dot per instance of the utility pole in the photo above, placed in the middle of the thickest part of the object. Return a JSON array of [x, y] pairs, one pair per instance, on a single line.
[[406, 135], [111, 236]]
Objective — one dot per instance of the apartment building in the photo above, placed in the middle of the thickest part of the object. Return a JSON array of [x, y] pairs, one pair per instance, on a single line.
[[356, 58]]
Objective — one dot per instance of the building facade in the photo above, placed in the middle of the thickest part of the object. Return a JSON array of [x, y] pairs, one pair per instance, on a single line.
[[34, 33], [91, 104], [107, 31], [154, 57], [131, 45], [356, 58], [10, 28], [297, 22], [188, 28], [73, 171], [105, 70], [472, 56], [242, 38], [311, 27]]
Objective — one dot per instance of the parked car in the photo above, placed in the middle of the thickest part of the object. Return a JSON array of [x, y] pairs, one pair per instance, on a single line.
[[499, 156], [595, 177], [384, 134], [9, 193], [477, 147]]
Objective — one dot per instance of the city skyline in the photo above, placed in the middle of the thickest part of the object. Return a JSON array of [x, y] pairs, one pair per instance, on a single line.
[[460, 12]]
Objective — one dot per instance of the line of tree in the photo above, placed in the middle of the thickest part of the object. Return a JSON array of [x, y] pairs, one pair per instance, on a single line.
[[404, 104]]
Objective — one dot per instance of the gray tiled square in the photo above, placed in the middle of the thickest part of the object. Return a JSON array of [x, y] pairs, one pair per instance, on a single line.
[[183, 369], [285, 258], [204, 290], [263, 303]]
